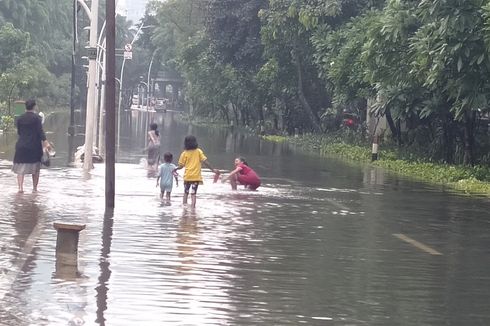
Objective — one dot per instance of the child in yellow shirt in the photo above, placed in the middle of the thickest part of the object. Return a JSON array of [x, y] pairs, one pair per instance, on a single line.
[[191, 158]]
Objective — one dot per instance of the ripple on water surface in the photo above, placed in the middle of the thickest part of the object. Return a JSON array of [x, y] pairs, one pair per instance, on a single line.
[[160, 262], [287, 254]]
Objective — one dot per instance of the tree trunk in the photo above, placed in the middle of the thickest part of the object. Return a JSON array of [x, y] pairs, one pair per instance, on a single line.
[[261, 114], [302, 98], [399, 132], [469, 137], [224, 112], [391, 124], [281, 109], [243, 116], [237, 116], [448, 137]]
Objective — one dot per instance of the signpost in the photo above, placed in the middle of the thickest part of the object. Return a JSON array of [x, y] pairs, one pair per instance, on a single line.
[[128, 52]]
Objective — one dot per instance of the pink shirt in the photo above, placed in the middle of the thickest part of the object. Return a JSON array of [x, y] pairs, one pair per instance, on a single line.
[[247, 176]]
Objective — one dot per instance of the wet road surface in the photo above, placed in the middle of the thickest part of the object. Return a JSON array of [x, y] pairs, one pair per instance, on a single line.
[[320, 243]]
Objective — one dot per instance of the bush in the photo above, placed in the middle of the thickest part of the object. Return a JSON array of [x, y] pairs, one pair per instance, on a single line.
[[475, 180], [6, 123]]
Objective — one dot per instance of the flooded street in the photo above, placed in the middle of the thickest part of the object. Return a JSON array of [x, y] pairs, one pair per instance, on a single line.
[[321, 242]]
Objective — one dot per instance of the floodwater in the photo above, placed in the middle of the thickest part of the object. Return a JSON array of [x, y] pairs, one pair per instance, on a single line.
[[322, 242]]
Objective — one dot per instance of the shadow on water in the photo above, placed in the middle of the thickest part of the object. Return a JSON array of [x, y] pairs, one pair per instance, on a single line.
[[18, 252], [104, 264], [314, 245]]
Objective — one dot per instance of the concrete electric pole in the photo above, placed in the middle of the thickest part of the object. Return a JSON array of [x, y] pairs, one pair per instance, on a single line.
[[92, 74], [110, 104]]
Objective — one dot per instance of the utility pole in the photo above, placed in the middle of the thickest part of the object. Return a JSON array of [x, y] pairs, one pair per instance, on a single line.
[[110, 104], [71, 128], [92, 71], [119, 103], [121, 86], [101, 128], [148, 81], [143, 94], [100, 92]]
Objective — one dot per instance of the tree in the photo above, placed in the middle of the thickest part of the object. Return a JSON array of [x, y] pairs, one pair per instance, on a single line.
[[14, 44], [452, 58], [233, 26], [287, 41], [35, 43]]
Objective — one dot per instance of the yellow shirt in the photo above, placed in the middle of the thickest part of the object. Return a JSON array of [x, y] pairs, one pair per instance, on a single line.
[[191, 160]]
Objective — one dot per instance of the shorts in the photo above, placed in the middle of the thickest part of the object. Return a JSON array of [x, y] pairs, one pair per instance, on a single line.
[[167, 188], [189, 184]]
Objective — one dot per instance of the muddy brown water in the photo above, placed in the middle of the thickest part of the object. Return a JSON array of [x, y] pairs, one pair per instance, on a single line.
[[320, 243]]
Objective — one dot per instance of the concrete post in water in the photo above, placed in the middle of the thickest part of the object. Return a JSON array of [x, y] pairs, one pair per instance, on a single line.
[[374, 151], [67, 243]]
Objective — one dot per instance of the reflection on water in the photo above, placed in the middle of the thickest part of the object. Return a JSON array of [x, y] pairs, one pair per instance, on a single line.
[[314, 245], [187, 240], [104, 265]]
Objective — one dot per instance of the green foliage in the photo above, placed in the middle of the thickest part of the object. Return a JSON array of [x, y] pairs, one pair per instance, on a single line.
[[350, 152], [299, 64], [472, 186], [21, 74], [469, 179], [48, 22], [474, 180], [14, 43], [234, 32], [176, 22], [274, 138], [450, 52], [35, 50], [6, 123], [36, 47]]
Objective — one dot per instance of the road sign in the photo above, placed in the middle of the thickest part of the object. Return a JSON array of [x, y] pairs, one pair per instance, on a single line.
[[128, 48], [128, 55]]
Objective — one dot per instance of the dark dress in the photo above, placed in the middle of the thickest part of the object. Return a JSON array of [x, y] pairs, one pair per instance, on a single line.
[[28, 149]]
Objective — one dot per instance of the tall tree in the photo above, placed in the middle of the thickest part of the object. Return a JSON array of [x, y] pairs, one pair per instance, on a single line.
[[452, 58]]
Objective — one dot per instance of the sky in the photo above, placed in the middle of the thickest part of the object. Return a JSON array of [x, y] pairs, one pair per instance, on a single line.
[[133, 9]]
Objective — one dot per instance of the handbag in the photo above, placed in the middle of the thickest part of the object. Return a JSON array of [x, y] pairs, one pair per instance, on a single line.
[[47, 154], [45, 159]]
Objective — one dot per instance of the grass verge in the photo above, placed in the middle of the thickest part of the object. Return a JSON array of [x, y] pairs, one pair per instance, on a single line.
[[470, 180]]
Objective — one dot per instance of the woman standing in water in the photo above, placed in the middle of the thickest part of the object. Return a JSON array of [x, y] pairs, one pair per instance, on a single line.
[[29, 146], [153, 146], [244, 175]]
